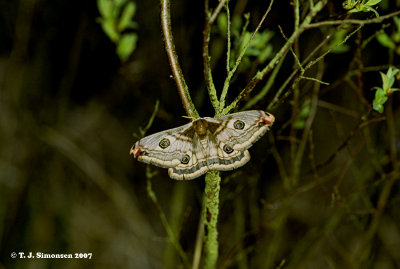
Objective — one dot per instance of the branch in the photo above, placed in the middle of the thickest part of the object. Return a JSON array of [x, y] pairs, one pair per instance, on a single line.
[[173, 61], [212, 92], [171, 236], [359, 22], [239, 60], [262, 74]]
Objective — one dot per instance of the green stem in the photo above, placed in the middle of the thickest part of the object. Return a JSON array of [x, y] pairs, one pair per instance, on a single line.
[[210, 18], [173, 61], [211, 210], [171, 235], [238, 61], [262, 74]]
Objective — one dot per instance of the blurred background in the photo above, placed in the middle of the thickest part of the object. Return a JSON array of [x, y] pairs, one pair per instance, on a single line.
[[321, 190]]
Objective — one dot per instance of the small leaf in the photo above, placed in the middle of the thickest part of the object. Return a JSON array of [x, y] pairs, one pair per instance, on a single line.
[[397, 22], [377, 107], [368, 8], [380, 95], [373, 2], [265, 54], [341, 49], [119, 3], [222, 23], [385, 40], [105, 8], [385, 80], [127, 15], [349, 4], [126, 45], [336, 44], [109, 29], [380, 100]]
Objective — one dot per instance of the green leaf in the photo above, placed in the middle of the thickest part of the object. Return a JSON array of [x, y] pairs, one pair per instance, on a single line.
[[373, 2], [341, 49], [385, 41], [265, 54], [105, 8], [397, 22], [380, 95], [368, 8], [378, 107], [385, 80], [222, 23], [126, 45], [380, 100], [245, 38], [127, 14], [349, 4], [119, 3], [109, 29], [337, 39], [389, 78]]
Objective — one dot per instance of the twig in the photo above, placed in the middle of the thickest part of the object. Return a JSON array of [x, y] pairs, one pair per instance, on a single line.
[[173, 61], [255, 99], [199, 241], [309, 64], [144, 130], [350, 21], [262, 74], [228, 37], [293, 74], [307, 128], [238, 61], [171, 236], [362, 123], [212, 92]]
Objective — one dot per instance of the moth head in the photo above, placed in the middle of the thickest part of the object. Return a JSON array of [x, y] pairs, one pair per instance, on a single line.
[[266, 119], [200, 127], [136, 150]]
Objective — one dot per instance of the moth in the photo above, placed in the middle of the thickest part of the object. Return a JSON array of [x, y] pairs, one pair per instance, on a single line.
[[204, 144]]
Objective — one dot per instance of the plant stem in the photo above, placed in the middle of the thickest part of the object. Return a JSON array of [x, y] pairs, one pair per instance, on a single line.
[[211, 210], [173, 61], [210, 18]]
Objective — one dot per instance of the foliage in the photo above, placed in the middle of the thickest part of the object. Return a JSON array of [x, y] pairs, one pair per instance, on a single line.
[[361, 6], [382, 93], [392, 42], [116, 18]]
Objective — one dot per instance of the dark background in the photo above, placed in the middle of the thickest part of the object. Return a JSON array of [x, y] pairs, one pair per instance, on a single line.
[[70, 110]]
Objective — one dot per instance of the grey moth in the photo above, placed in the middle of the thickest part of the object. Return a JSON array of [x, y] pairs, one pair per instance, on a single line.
[[204, 144]]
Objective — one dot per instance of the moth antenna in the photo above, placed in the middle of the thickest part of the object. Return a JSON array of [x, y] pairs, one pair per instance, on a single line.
[[189, 117]]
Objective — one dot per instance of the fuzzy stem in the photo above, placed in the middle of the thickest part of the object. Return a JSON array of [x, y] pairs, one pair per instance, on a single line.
[[237, 63], [210, 18], [262, 74], [211, 210]]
